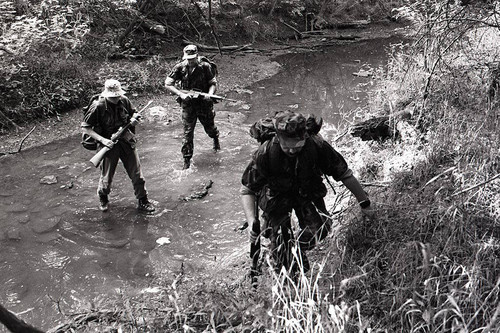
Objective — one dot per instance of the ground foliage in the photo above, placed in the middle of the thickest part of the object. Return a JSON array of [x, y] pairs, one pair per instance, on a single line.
[[55, 53]]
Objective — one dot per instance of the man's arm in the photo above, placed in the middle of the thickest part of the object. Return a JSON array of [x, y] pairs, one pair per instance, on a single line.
[[170, 86], [88, 130], [361, 196], [334, 164], [248, 202]]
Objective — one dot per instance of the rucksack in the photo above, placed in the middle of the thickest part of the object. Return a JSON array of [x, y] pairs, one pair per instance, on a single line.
[[213, 65], [89, 142], [263, 129]]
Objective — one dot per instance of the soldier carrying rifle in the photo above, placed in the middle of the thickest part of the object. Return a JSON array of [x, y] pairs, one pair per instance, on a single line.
[[194, 73], [106, 116]]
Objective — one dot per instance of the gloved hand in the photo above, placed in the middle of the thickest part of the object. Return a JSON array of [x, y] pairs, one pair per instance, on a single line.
[[206, 98]]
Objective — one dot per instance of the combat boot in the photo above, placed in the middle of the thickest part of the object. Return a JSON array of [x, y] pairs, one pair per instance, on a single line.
[[216, 144], [145, 205], [103, 202], [187, 163]]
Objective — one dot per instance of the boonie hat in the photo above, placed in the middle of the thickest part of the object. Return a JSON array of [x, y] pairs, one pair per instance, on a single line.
[[190, 52], [291, 129], [112, 88]]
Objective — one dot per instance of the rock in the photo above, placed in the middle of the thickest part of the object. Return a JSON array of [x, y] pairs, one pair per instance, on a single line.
[[157, 113], [163, 240], [363, 73], [46, 225], [22, 219], [13, 234], [51, 179], [17, 208]]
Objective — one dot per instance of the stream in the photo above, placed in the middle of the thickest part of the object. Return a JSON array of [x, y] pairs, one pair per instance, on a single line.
[[58, 249]]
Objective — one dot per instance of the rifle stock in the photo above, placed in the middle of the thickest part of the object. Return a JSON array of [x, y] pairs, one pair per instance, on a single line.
[[97, 158]]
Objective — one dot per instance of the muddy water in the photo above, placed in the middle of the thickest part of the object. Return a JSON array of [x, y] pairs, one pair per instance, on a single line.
[[56, 246]]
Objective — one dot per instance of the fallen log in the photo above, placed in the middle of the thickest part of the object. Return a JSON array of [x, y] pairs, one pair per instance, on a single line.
[[378, 128], [352, 24], [327, 34], [153, 26], [231, 48]]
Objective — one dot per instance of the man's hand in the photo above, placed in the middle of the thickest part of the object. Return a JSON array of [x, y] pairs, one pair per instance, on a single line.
[[369, 211], [135, 119], [206, 98], [108, 143]]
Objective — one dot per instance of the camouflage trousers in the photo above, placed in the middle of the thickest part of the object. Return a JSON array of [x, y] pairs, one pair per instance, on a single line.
[[204, 112], [130, 159], [313, 218]]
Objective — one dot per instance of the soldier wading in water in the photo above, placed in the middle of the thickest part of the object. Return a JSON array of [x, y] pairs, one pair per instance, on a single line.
[[194, 73], [105, 116]]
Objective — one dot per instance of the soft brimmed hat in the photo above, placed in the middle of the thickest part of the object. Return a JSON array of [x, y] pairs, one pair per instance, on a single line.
[[112, 88], [190, 52], [291, 129]]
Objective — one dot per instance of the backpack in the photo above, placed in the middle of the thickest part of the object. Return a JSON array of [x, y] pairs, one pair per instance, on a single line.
[[211, 63], [263, 129], [89, 142]]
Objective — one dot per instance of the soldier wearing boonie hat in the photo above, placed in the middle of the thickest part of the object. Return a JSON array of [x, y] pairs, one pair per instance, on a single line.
[[106, 115], [112, 88], [194, 73], [286, 173]]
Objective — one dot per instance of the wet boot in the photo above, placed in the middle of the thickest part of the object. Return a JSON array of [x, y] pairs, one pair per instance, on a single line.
[[187, 163], [216, 144], [103, 202], [145, 206]]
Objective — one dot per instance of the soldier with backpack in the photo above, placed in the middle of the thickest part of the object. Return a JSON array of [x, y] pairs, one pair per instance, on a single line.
[[285, 174], [199, 74], [108, 112]]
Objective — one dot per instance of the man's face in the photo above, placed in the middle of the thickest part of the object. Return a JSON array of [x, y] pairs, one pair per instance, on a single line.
[[291, 146], [192, 62], [292, 152]]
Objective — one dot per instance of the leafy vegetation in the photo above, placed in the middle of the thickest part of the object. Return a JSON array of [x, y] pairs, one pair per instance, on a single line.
[[55, 53]]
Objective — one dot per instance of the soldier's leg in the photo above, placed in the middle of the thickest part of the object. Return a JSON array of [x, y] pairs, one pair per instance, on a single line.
[[314, 222], [132, 164], [207, 119], [189, 123], [108, 168]]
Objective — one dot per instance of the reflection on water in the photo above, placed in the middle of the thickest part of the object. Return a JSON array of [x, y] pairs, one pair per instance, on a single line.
[[56, 246]]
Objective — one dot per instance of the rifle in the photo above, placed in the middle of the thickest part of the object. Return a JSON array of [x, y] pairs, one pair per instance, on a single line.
[[197, 94], [97, 158], [255, 244]]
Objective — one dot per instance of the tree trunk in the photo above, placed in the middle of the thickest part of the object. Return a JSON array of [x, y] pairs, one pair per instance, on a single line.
[[14, 324]]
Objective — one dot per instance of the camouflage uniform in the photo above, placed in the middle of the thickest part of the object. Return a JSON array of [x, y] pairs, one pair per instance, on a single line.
[[283, 183], [200, 79], [106, 118]]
